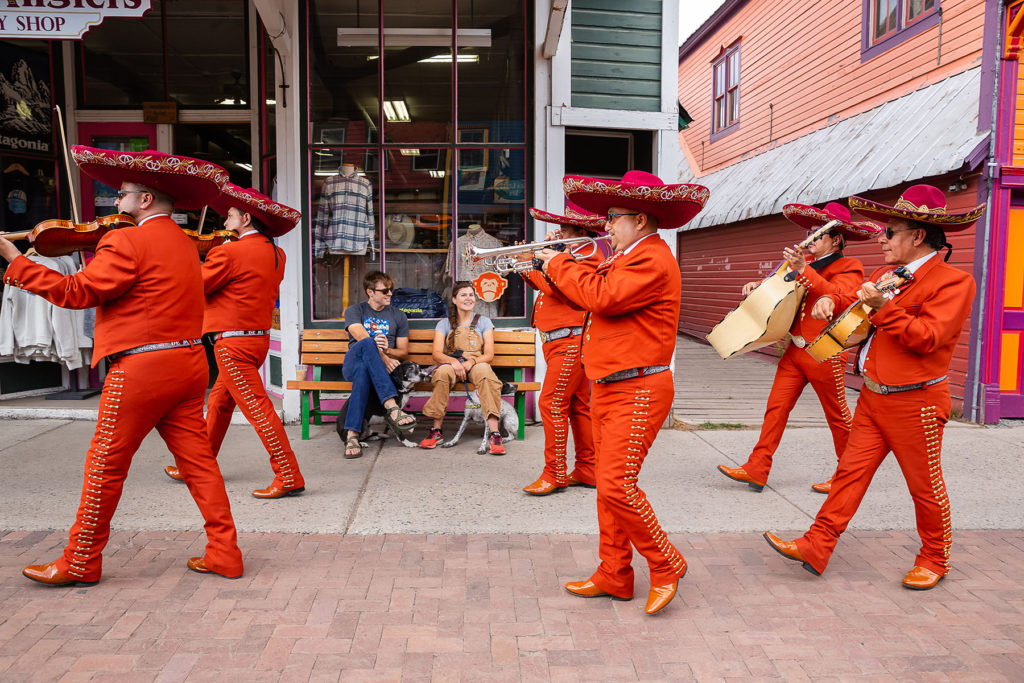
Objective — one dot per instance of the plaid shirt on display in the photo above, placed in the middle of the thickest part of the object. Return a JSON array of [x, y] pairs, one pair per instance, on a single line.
[[344, 217]]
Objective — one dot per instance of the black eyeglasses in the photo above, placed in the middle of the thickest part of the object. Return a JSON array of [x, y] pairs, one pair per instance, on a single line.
[[827, 233], [385, 291], [889, 232], [121, 194], [610, 218]]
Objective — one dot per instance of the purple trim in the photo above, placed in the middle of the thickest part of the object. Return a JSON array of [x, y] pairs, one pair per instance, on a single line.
[[1011, 405], [1013, 321], [989, 64], [978, 154], [721, 15], [869, 51], [736, 47]]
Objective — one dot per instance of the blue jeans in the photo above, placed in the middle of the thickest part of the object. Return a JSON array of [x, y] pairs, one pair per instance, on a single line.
[[366, 370]]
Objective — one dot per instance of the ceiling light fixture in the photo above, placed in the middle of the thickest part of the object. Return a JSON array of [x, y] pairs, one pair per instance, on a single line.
[[414, 37], [410, 152], [395, 111], [436, 174], [447, 59]]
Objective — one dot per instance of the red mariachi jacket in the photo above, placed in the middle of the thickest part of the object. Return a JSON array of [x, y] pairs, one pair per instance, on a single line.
[[240, 280], [633, 307], [552, 309], [144, 282], [917, 330], [843, 276]]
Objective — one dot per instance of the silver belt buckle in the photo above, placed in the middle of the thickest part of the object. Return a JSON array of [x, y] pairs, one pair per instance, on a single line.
[[798, 341], [875, 386]]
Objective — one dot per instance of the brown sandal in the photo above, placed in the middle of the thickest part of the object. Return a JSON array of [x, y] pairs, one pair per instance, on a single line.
[[393, 419], [352, 443]]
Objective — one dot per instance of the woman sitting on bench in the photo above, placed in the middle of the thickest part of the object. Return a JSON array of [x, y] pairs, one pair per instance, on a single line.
[[464, 348]]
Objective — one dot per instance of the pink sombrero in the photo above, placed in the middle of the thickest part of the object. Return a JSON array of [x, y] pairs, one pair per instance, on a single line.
[[574, 215], [922, 203], [193, 183], [277, 219], [812, 218], [672, 205]]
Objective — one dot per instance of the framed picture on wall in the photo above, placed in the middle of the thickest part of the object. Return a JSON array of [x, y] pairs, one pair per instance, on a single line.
[[428, 160], [472, 159], [372, 162]]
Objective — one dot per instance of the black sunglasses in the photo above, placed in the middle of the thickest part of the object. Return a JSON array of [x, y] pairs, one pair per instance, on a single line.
[[386, 291], [889, 232]]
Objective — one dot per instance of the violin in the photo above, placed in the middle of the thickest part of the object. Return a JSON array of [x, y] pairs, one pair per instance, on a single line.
[[57, 237], [205, 242], [852, 327]]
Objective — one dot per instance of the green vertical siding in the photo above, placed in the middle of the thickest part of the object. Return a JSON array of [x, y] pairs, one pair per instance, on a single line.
[[616, 54]]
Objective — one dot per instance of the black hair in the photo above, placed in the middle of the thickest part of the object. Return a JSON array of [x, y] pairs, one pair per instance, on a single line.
[[934, 237]]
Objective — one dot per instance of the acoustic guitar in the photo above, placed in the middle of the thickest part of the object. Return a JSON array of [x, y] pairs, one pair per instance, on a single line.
[[766, 314], [852, 326]]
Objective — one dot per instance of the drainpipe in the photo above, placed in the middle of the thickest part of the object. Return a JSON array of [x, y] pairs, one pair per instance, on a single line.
[[980, 390]]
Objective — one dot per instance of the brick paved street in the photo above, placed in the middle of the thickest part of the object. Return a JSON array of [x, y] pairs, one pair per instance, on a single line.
[[491, 607]]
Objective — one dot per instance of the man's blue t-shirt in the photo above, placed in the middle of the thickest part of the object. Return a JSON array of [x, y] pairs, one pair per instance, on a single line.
[[389, 321]]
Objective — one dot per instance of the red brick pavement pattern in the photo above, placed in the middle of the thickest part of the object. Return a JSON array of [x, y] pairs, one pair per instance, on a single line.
[[492, 608]]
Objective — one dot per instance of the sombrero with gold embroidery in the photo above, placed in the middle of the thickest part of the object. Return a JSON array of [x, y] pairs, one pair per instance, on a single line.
[[192, 183], [812, 218], [277, 219], [922, 203], [574, 216], [672, 205]]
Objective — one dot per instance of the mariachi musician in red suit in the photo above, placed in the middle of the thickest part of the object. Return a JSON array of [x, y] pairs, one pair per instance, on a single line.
[[241, 279], [629, 341], [830, 274], [905, 402], [146, 285], [565, 396]]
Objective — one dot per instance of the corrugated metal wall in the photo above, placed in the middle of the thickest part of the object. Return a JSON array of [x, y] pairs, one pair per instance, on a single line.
[[716, 262], [616, 54]]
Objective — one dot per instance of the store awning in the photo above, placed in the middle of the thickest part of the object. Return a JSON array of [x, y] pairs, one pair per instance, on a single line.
[[929, 132]]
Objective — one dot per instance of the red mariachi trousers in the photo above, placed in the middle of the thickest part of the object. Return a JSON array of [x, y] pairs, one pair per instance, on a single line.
[[239, 383], [565, 400], [910, 424], [797, 368], [627, 416], [162, 390]]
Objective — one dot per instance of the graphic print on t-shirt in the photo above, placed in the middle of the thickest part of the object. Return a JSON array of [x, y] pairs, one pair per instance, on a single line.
[[377, 326]]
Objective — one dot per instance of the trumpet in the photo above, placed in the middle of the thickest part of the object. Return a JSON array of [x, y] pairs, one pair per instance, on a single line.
[[503, 259]]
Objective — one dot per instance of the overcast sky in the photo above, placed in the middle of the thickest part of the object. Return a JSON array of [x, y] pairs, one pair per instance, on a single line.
[[693, 13]]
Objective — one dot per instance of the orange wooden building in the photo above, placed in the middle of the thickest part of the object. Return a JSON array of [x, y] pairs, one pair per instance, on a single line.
[[815, 102]]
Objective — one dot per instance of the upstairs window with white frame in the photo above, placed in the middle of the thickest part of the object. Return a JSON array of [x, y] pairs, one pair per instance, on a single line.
[[889, 22], [726, 77]]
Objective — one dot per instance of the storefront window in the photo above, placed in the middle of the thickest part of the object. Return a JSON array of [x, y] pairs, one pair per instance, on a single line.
[[436, 186], [491, 69], [345, 238], [344, 68], [194, 52]]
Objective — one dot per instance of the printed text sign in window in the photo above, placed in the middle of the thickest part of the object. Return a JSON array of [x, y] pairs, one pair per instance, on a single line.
[[727, 89]]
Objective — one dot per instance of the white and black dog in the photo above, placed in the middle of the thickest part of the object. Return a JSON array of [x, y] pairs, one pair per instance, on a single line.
[[405, 377], [507, 421]]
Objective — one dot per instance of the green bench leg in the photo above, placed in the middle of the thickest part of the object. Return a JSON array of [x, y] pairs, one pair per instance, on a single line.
[[304, 399], [520, 405]]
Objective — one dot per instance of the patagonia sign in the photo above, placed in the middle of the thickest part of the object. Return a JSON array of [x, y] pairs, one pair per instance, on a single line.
[[62, 19]]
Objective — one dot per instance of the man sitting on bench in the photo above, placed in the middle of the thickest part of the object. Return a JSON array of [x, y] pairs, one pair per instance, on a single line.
[[378, 338]]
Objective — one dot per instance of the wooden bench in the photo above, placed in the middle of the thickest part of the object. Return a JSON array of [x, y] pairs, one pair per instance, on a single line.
[[323, 347]]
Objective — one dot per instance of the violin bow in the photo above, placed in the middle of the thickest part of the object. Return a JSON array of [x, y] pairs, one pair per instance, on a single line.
[[67, 165], [202, 220]]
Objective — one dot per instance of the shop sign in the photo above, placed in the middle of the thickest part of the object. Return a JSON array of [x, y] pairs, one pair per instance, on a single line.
[[62, 19], [26, 123]]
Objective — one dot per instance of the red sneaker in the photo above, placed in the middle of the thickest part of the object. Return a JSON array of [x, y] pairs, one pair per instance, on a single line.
[[433, 438], [497, 448]]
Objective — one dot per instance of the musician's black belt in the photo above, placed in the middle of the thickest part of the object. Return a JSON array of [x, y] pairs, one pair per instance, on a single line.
[[160, 346], [631, 373], [214, 336], [560, 333], [895, 389]]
